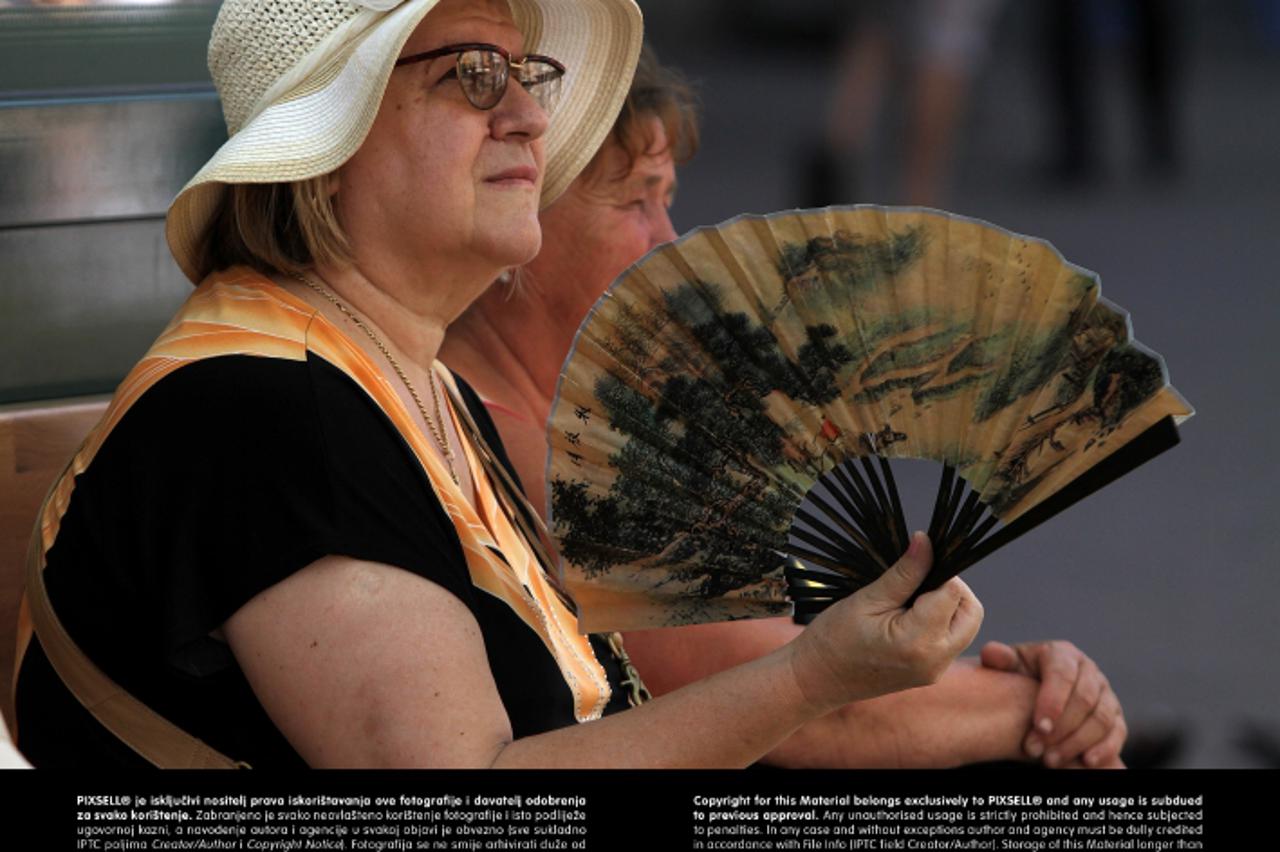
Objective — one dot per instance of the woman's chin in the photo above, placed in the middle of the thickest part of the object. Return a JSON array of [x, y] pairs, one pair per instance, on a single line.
[[516, 246]]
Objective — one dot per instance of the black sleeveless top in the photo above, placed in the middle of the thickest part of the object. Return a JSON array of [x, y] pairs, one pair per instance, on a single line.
[[226, 476]]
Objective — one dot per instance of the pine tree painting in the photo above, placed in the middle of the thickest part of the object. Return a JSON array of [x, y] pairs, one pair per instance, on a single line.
[[726, 374], [685, 495]]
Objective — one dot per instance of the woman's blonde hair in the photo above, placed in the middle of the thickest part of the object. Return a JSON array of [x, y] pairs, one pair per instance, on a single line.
[[276, 228]]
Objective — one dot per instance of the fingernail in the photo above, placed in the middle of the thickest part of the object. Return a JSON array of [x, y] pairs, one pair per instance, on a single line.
[[913, 549], [1045, 725], [1035, 748], [1051, 759], [1090, 759]]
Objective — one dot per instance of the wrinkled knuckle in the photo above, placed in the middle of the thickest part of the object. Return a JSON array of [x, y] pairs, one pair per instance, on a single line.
[[1056, 670]]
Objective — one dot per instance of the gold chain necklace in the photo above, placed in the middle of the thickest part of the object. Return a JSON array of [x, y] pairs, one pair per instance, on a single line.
[[436, 424]]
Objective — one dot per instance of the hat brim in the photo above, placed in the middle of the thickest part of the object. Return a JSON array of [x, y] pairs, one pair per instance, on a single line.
[[316, 127]]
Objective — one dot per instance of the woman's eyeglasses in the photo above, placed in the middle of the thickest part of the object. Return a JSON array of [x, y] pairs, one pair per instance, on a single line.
[[484, 69]]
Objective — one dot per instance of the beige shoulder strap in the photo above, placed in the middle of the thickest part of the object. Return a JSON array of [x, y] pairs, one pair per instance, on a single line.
[[512, 499], [527, 520], [142, 729]]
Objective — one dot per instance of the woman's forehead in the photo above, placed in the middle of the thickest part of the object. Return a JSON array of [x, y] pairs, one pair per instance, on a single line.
[[615, 167], [454, 21]]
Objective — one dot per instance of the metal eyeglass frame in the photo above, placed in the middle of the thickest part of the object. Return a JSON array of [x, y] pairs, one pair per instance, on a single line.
[[460, 49]]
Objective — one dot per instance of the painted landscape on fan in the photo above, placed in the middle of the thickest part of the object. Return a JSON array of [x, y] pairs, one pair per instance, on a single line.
[[724, 374]]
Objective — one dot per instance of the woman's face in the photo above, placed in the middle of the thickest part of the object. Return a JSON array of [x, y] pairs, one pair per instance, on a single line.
[[439, 184], [606, 221]]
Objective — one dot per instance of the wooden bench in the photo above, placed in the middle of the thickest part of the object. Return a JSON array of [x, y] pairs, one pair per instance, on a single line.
[[36, 441]]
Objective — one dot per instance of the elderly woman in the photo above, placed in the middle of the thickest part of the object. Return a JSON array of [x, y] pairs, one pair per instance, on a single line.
[[287, 542], [610, 216]]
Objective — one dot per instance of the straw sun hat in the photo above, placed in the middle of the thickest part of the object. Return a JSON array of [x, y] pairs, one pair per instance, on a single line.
[[301, 81]]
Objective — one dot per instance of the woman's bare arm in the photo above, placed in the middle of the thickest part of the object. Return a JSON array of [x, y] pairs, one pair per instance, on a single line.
[[361, 664]]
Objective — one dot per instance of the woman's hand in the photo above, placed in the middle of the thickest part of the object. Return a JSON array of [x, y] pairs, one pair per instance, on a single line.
[[1077, 720], [868, 644]]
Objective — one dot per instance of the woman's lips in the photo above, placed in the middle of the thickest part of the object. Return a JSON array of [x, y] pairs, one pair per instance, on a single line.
[[518, 176]]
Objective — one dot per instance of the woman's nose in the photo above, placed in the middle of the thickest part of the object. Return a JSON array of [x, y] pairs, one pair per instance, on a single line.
[[660, 228], [519, 114]]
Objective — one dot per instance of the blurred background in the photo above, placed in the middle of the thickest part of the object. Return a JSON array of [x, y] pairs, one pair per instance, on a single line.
[[1141, 138]]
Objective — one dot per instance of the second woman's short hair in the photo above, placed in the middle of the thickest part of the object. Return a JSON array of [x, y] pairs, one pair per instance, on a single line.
[[656, 92]]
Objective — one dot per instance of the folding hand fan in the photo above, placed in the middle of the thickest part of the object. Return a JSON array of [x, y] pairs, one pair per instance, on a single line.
[[724, 375]]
